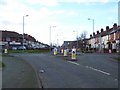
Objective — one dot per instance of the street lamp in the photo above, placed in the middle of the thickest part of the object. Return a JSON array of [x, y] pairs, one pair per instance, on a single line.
[[23, 29], [77, 37], [50, 36], [92, 23], [57, 41]]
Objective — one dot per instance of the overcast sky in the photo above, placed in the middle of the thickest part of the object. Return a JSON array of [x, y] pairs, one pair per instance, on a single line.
[[66, 15]]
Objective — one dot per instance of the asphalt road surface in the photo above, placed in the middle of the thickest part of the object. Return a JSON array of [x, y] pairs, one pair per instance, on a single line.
[[90, 71]]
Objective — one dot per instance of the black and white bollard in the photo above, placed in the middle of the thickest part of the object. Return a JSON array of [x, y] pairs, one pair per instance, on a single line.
[[65, 52], [74, 54], [55, 51], [5, 51]]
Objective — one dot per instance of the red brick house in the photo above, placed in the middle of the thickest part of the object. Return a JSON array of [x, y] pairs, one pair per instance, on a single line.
[[11, 39]]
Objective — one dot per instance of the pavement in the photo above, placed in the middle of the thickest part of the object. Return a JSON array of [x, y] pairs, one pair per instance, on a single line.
[[17, 73], [0, 78]]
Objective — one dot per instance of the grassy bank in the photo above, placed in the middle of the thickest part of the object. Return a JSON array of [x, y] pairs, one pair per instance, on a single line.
[[2, 64], [27, 51], [117, 59]]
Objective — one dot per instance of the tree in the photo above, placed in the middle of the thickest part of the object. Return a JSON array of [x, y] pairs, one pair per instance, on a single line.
[[82, 35], [82, 40]]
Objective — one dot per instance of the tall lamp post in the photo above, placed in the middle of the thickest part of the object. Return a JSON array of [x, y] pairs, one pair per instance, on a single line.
[[50, 36], [77, 37], [93, 24], [23, 29]]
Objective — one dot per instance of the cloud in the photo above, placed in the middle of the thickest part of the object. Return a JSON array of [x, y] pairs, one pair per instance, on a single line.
[[2, 2], [44, 2], [58, 2], [88, 1], [71, 13]]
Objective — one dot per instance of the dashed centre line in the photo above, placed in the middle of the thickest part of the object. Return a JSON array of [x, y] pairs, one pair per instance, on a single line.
[[101, 71], [98, 70], [73, 62]]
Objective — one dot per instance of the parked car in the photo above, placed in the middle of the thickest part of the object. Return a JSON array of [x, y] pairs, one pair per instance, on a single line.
[[14, 48], [21, 48]]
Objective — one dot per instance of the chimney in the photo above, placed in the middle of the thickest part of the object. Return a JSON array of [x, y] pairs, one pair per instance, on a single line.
[[101, 29], [107, 28], [97, 32], [115, 26], [93, 33], [90, 35]]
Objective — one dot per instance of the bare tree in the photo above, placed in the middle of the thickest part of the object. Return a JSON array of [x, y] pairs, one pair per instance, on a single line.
[[82, 35], [82, 40]]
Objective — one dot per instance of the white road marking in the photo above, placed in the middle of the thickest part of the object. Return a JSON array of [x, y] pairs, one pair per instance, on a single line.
[[98, 70], [91, 68], [73, 62], [116, 79]]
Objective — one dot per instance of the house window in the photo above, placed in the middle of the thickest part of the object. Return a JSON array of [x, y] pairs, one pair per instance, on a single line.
[[7, 39], [3, 39]]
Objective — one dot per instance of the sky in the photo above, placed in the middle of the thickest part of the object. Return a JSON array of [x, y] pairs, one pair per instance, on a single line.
[[67, 18]]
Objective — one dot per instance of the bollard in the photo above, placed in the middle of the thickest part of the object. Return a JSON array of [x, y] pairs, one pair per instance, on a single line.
[[55, 51], [109, 50], [65, 52], [73, 54], [5, 51], [62, 51]]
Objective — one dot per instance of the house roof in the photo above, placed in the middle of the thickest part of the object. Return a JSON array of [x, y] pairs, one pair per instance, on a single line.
[[104, 33], [114, 31], [29, 37], [9, 34], [13, 34]]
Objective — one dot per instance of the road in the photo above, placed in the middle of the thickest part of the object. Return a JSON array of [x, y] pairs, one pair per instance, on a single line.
[[90, 71]]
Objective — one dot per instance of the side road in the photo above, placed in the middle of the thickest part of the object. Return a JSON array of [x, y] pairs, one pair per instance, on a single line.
[[17, 73]]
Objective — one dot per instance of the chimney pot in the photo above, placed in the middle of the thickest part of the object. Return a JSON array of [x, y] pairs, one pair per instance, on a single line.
[[115, 26], [93, 33], [97, 32], [101, 29], [90, 35], [107, 28]]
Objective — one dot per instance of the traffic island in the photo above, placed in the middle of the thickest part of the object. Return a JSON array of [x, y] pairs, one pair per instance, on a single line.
[[68, 58]]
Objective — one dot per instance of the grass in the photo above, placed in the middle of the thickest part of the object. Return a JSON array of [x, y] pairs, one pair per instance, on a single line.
[[5, 55], [27, 51], [117, 58], [2, 64]]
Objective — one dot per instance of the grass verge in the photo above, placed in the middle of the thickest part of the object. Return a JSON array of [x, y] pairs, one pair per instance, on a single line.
[[116, 59], [27, 51], [2, 64]]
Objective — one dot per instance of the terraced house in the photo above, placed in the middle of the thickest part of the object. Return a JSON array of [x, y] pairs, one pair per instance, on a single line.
[[103, 41], [106, 40]]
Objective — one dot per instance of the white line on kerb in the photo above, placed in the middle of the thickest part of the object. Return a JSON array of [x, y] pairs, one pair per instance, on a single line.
[[73, 62], [98, 70]]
